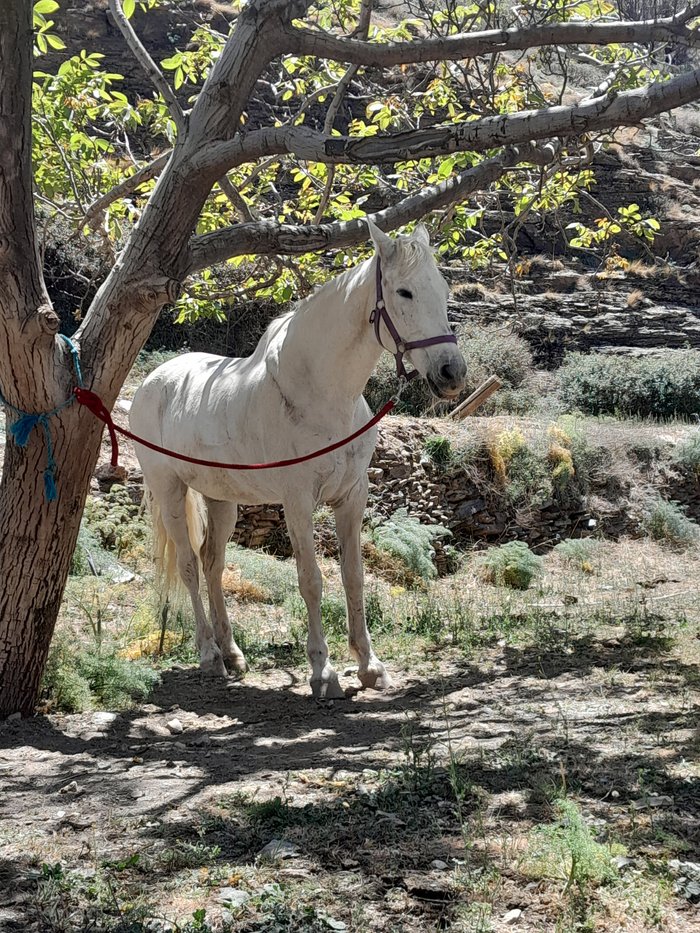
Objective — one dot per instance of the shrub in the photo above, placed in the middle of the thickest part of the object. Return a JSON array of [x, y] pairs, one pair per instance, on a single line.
[[416, 397], [269, 576], [439, 449], [116, 521], [78, 679], [404, 538], [664, 386], [580, 552], [666, 521], [488, 351], [525, 476], [512, 564], [687, 454], [566, 850], [491, 352]]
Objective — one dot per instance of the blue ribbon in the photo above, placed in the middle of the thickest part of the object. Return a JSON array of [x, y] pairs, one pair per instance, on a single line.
[[22, 428]]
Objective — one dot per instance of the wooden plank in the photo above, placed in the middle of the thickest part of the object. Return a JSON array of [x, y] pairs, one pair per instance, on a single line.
[[477, 398]]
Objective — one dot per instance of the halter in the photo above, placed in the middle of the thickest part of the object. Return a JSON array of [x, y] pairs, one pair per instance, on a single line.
[[380, 313]]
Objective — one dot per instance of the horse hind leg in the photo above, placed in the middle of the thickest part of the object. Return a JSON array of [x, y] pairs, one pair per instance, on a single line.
[[221, 520], [174, 508]]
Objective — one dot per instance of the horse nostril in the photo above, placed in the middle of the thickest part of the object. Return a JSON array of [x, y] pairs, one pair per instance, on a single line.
[[447, 372]]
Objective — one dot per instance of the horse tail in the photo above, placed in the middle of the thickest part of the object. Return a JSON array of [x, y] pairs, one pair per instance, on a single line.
[[164, 553]]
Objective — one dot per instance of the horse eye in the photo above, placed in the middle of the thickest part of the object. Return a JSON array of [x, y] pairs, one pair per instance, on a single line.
[[404, 292]]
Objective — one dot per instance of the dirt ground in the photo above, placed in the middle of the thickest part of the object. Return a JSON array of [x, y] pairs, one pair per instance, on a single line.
[[407, 811]]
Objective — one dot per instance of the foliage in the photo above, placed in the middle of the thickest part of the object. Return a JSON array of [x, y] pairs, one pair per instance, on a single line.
[[580, 552], [512, 564], [665, 385], [687, 454], [666, 521], [629, 220], [405, 538], [525, 477], [84, 124], [77, 679], [439, 449], [489, 351], [116, 520], [566, 850], [276, 578]]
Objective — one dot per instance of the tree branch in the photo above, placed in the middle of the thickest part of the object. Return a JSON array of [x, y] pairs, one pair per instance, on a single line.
[[588, 116], [144, 59], [268, 238], [94, 214], [489, 42]]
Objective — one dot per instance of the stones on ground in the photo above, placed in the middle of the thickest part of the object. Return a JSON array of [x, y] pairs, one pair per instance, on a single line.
[[653, 800], [175, 726], [103, 720], [512, 915], [687, 879], [72, 788], [279, 849], [438, 864], [232, 897]]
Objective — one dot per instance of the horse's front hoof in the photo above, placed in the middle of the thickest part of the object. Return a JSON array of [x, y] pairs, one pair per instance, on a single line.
[[375, 678], [235, 664], [214, 665], [327, 688]]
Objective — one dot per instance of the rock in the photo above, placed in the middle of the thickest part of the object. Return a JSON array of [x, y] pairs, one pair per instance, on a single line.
[[438, 864], [13, 717], [103, 720], [232, 897], [175, 726], [279, 849], [653, 800], [71, 788], [512, 915]]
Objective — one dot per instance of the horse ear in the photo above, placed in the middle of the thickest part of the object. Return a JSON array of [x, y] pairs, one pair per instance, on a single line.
[[421, 234], [383, 244]]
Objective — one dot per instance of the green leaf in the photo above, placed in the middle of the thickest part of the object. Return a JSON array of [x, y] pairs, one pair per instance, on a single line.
[[54, 41], [45, 6], [129, 6]]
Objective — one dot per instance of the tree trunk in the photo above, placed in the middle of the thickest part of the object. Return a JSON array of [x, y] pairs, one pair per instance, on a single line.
[[37, 538]]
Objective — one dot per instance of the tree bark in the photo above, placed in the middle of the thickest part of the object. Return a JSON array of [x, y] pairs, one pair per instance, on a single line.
[[37, 538]]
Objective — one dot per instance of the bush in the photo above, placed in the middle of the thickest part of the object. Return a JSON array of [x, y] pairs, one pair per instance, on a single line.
[[116, 521], [439, 449], [511, 564], [567, 850], [666, 521], [491, 352], [404, 538], [580, 552], [78, 679], [488, 351], [687, 454], [662, 386]]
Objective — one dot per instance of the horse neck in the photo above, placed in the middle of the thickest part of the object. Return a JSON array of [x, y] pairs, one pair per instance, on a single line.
[[330, 344]]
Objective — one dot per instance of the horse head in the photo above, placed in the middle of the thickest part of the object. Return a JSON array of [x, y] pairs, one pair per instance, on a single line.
[[410, 316]]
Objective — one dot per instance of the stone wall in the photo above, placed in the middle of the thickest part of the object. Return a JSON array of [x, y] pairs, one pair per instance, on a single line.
[[470, 502]]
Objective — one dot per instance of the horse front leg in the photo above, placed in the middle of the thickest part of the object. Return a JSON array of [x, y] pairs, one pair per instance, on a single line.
[[348, 522], [324, 680], [221, 520]]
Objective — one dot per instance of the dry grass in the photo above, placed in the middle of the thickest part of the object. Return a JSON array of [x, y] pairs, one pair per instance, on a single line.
[[243, 590], [635, 298], [472, 291]]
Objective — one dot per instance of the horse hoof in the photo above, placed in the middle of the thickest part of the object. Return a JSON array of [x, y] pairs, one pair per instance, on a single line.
[[214, 666], [235, 664], [328, 689], [374, 679]]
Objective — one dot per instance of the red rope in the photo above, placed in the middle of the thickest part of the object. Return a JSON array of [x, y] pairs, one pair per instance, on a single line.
[[95, 404]]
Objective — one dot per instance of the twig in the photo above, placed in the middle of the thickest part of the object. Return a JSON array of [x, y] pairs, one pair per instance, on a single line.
[[144, 59]]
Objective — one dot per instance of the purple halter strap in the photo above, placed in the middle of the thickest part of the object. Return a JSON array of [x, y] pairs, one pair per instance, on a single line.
[[380, 313]]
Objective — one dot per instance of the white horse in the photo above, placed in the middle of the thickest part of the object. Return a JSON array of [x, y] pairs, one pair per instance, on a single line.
[[300, 390]]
